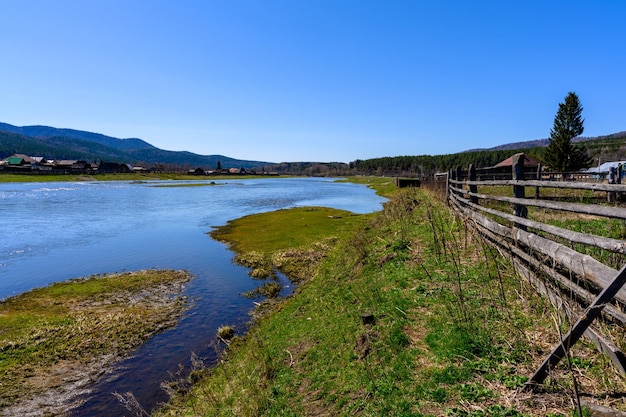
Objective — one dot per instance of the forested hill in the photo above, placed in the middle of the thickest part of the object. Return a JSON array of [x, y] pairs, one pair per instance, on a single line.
[[544, 142], [53, 143], [43, 132], [430, 164], [599, 149]]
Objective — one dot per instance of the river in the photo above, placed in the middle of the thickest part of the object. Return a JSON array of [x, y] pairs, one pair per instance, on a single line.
[[57, 231]]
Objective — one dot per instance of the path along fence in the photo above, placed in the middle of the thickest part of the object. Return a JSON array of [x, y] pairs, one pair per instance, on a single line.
[[565, 237]]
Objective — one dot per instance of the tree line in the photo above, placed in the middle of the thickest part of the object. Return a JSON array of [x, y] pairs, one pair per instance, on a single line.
[[561, 155]]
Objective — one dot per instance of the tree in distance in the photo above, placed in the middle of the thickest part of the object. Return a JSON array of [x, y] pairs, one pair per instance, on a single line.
[[561, 154]]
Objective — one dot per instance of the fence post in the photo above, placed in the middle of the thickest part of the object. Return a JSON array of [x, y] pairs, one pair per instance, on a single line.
[[458, 174], [538, 179], [618, 196], [473, 188], [448, 177], [611, 195], [519, 210]]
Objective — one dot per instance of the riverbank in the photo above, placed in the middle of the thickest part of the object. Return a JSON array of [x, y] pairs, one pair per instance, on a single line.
[[406, 313], [4, 177], [56, 340]]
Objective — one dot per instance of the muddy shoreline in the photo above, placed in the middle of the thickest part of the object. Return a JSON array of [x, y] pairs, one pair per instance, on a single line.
[[125, 317]]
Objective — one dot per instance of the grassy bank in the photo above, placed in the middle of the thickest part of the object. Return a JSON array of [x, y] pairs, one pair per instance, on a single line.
[[84, 177], [115, 177], [292, 241], [55, 340], [407, 314]]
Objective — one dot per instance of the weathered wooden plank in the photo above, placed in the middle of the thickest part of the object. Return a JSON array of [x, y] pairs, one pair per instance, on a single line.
[[554, 184], [610, 312], [603, 344], [458, 190], [473, 188], [519, 191], [591, 209], [608, 348], [578, 329], [401, 182], [598, 410], [448, 179], [572, 289], [584, 266], [612, 245], [538, 175], [485, 222]]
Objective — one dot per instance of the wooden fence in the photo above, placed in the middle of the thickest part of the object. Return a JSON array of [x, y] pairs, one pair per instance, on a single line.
[[571, 267]]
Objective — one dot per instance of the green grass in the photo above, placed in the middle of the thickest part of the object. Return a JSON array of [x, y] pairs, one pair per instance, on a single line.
[[384, 186], [291, 241], [4, 177], [212, 183], [284, 229]]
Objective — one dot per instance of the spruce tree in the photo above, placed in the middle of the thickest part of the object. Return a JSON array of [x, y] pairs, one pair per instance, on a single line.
[[561, 154]]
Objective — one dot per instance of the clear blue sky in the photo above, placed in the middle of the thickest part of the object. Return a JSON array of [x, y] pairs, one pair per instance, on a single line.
[[313, 80]]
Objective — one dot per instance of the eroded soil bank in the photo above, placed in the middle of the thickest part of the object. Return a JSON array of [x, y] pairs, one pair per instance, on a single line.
[[55, 341]]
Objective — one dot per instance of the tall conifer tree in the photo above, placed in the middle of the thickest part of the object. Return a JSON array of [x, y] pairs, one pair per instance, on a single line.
[[561, 154]]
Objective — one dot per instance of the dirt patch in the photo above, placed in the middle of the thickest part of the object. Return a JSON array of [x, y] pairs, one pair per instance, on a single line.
[[59, 386]]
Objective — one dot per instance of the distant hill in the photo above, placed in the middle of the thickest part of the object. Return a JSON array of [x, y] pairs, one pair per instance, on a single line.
[[599, 149], [49, 132], [544, 142], [54, 143], [514, 145]]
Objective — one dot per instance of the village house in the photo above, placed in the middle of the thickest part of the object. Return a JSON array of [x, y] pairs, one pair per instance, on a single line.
[[114, 168], [197, 171], [20, 163], [603, 171]]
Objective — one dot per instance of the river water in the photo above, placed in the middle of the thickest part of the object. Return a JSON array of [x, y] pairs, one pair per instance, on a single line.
[[57, 231]]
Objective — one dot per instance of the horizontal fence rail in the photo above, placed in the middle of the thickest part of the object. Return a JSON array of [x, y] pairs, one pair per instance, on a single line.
[[570, 267]]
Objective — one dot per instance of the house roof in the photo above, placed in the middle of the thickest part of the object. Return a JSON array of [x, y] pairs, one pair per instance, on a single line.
[[605, 167], [529, 161], [68, 162], [19, 159], [14, 160]]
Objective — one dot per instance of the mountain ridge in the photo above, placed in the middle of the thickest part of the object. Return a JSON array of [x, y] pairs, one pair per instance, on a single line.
[[40, 131], [544, 142], [55, 143], [61, 143]]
